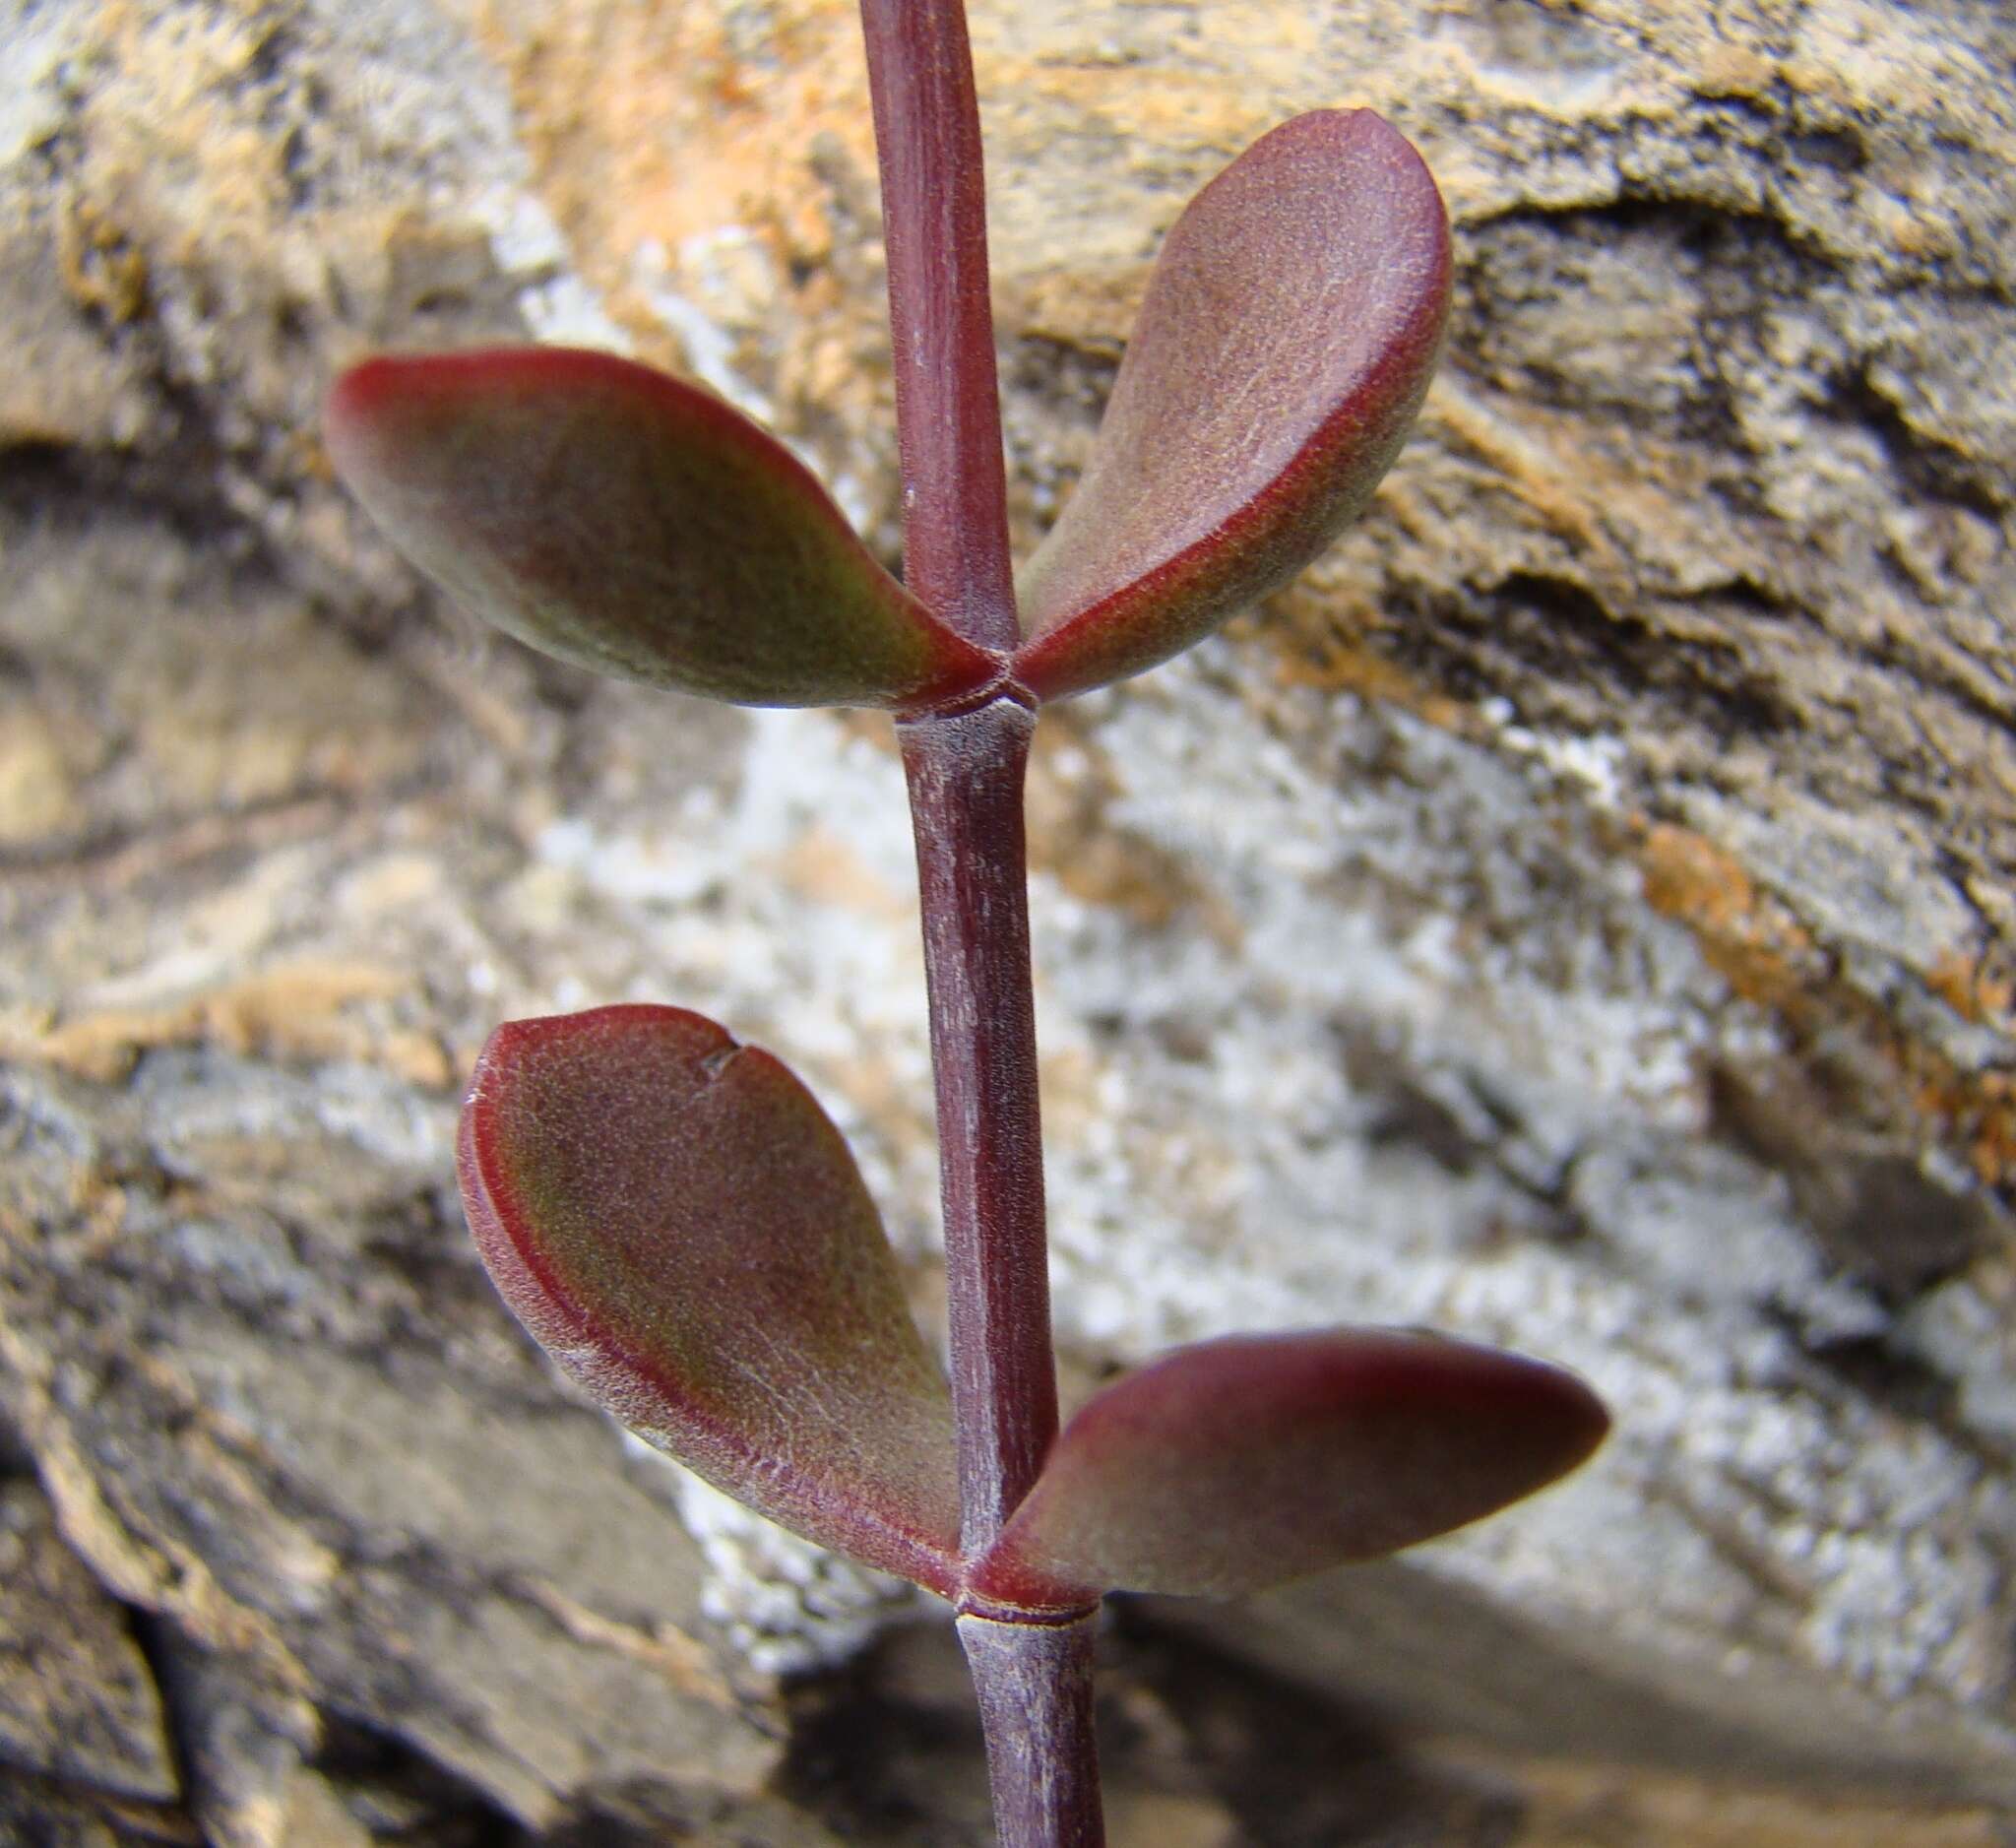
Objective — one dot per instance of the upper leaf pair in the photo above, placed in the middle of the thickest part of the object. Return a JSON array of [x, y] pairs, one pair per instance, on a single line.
[[678, 1223], [624, 519]]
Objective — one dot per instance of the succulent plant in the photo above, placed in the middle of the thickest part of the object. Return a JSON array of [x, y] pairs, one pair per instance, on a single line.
[[670, 1212]]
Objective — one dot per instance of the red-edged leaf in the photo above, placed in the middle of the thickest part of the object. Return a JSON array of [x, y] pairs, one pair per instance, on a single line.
[[1240, 1464], [621, 519], [674, 1219], [1289, 332]]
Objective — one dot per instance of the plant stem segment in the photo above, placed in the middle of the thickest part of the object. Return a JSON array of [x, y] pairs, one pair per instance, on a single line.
[[1034, 1678], [1034, 1685], [934, 227], [966, 776]]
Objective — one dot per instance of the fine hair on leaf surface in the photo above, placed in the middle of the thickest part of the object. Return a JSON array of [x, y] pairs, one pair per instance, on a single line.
[[1238, 1465], [1290, 327], [677, 1221], [636, 525]]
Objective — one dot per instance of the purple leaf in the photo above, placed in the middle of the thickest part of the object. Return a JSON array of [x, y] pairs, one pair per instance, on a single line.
[[674, 1219], [1237, 1465], [625, 521], [1288, 335]]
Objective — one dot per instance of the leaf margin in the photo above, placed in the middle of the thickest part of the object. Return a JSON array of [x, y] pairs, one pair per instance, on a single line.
[[632, 1387]]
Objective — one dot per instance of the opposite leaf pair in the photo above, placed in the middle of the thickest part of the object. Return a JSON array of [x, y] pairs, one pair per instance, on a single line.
[[677, 1220], [634, 524], [670, 1213]]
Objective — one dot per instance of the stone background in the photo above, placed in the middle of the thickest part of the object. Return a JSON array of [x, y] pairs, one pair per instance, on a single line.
[[1578, 914]]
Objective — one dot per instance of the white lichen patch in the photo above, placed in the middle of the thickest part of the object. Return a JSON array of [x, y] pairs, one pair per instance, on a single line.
[[786, 1606], [1600, 765], [1960, 1333], [557, 304], [706, 325]]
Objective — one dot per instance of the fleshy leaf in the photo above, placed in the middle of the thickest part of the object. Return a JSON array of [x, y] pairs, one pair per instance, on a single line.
[[677, 1220], [1243, 1463], [1292, 323], [623, 520]]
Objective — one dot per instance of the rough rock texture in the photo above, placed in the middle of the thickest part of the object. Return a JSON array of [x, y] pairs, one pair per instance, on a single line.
[[1579, 914], [83, 1705]]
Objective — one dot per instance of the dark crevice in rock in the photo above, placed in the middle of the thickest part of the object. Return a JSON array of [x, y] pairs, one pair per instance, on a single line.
[[1930, 470], [1701, 225], [1296, 1768], [1878, 1372], [154, 1638], [279, 41], [1752, 600], [1534, 635], [1067, 378], [868, 1743], [1864, 1195], [1408, 1117], [46, 1812], [1870, 1368], [404, 1795], [65, 490], [17, 1459], [1843, 149], [75, 858], [1888, 1228], [603, 1828]]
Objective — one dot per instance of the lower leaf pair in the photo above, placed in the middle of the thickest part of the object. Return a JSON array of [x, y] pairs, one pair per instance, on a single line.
[[678, 1221]]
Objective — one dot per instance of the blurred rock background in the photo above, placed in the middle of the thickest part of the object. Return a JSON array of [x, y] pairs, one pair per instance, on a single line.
[[1578, 914]]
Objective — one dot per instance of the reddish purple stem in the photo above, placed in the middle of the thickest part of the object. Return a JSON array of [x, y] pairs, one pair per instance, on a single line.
[[966, 776], [1034, 1686], [934, 225]]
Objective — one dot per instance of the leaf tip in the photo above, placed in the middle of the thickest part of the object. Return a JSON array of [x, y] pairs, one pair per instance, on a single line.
[[1246, 1462], [1292, 323]]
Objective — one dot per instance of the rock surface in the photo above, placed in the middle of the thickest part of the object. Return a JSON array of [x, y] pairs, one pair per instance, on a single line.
[[1577, 915]]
